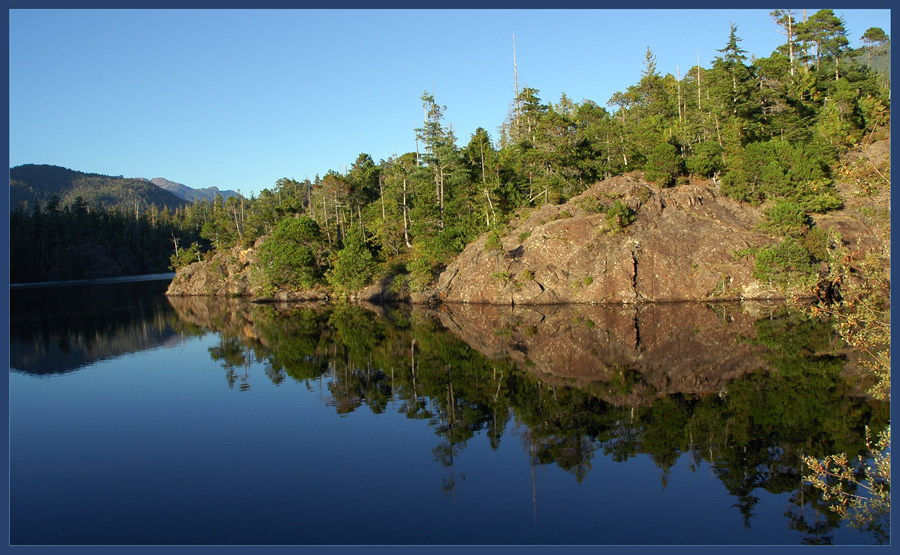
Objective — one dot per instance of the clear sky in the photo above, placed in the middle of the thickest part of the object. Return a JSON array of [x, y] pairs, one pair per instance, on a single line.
[[239, 99]]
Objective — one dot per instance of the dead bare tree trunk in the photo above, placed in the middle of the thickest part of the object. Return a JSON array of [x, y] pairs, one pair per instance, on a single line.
[[516, 78], [405, 224]]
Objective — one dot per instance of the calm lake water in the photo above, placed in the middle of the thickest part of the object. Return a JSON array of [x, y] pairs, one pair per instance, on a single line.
[[139, 419]]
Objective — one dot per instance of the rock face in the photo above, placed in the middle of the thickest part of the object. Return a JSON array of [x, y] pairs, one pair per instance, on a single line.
[[679, 247], [225, 274]]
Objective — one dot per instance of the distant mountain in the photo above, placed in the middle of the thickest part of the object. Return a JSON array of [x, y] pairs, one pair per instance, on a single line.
[[32, 183], [189, 194], [880, 60]]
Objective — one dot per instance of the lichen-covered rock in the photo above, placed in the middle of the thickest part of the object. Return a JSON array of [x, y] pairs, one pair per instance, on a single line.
[[680, 246], [225, 274]]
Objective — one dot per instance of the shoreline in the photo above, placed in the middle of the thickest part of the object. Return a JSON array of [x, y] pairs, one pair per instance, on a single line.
[[92, 281]]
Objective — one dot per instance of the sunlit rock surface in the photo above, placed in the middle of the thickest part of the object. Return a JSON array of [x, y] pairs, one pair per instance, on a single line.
[[680, 247]]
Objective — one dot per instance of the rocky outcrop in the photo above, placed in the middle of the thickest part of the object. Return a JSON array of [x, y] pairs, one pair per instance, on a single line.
[[224, 274], [231, 274], [681, 246]]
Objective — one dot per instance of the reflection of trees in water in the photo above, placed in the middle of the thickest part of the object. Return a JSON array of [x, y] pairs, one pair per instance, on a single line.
[[61, 329], [807, 514], [751, 434]]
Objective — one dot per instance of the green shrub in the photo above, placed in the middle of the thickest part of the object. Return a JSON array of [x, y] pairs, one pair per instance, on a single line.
[[777, 169], [707, 159], [619, 216], [788, 264], [663, 164], [422, 270], [493, 242], [785, 218], [289, 255], [817, 242], [353, 266], [185, 257], [590, 205]]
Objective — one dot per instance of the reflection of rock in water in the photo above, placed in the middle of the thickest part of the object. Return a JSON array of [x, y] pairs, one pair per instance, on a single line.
[[205, 311], [224, 313], [625, 355], [651, 350]]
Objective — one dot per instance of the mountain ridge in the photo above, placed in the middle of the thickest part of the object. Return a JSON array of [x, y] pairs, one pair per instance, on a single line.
[[190, 194], [30, 183]]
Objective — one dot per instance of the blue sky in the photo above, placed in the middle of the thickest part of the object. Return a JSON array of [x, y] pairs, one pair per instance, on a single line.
[[238, 99]]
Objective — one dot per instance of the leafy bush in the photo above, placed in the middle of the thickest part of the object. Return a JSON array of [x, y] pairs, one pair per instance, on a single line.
[[422, 267], [788, 264], [353, 266], [185, 257], [493, 242], [819, 241], [591, 205], [707, 159], [502, 277], [777, 169]]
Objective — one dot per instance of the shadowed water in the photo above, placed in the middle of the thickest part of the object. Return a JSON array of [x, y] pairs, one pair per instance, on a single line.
[[217, 421]]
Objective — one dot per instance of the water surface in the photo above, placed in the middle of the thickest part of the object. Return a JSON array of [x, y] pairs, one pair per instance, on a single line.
[[138, 419]]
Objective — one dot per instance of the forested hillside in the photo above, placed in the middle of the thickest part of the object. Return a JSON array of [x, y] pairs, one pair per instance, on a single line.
[[768, 132], [32, 184], [67, 224]]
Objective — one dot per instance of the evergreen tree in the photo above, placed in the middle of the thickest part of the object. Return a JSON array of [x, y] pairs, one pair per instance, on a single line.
[[872, 40], [826, 31]]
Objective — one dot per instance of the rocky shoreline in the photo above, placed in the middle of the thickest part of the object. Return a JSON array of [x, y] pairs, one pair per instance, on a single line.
[[680, 246]]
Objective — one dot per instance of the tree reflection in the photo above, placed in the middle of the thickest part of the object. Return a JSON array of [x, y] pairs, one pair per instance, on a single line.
[[807, 515], [750, 430], [57, 330]]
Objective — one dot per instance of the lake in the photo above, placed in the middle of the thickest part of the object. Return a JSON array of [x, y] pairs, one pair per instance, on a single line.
[[140, 419]]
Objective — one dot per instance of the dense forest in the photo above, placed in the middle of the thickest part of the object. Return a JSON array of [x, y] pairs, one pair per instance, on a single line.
[[67, 224], [767, 131]]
